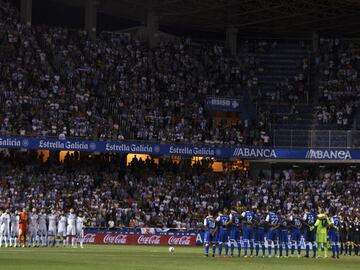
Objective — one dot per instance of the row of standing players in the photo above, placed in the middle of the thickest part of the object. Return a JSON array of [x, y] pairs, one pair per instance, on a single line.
[[40, 228], [252, 229]]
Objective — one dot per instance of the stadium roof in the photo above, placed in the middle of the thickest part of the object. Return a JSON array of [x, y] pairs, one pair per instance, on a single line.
[[271, 17]]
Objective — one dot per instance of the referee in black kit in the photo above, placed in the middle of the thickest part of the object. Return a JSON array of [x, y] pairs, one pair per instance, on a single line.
[[356, 232], [344, 236], [353, 235]]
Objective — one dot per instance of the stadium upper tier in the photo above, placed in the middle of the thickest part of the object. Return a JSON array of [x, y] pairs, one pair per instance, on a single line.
[[57, 82]]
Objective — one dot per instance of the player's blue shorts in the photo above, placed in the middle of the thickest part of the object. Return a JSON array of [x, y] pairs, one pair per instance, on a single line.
[[295, 235], [284, 236], [260, 235], [273, 235], [334, 236], [248, 233], [223, 235], [309, 236], [209, 238], [235, 234]]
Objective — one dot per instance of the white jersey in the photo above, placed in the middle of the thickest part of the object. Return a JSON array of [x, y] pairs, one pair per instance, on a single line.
[[80, 226], [52, 221], [5, 221], [4, 225], [71, 228], [62, 222], [62, 226], [52, 224], [14, 220], [42, 220], [71, 220], [34, 218], [80, 223], [42, 224]]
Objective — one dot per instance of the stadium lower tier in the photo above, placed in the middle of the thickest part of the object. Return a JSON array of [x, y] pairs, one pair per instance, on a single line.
[[112, 191]]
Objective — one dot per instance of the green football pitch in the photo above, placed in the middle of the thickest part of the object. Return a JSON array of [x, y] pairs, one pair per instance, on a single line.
[[148, 257]]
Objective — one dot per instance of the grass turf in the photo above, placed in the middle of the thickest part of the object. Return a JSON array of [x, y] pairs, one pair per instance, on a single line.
[[148, 257]]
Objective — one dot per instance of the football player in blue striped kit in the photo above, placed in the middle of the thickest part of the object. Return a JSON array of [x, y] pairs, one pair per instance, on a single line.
[[260, 231], [223, 222], [249, 218], [284, 234], [309, 220], [273, 221], [295, 224], [335, 234], [235, 231], [210, 236]]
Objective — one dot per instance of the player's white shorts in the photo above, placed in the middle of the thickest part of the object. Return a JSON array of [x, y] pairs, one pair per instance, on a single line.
[[61, 231], [71, 230], [52, 231], [42, 231], [4, 230], [33, 231], [14, 231], [80, 233]]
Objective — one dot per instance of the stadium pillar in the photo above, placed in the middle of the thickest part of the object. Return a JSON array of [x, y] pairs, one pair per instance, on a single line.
[[315, 40], [231, 39], [91, 17], [257, 168], [152, 25], [26, 12]]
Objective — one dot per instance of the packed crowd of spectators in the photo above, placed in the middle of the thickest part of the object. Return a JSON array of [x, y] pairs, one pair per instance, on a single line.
[[338, 64], [57, 82], [168, 193], [338, 112]]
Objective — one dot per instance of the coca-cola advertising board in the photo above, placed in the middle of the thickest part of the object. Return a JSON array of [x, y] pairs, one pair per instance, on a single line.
[[139, 239]]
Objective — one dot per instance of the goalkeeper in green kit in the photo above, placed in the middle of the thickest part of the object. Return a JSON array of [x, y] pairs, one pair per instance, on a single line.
[[321, 224]]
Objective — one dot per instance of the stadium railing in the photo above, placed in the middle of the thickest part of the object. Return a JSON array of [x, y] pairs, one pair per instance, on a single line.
[[316, 138]]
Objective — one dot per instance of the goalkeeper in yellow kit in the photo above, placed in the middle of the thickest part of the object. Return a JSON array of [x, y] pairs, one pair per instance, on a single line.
[[321, 224]]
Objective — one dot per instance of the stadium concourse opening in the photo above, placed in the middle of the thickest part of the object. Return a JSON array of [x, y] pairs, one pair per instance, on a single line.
[[128, 159], [252, 167]]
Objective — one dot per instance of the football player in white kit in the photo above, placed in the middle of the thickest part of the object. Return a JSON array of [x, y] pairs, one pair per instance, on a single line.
[[5, 228], [1, 227], [61, 233], [71, 228], [80, 220], [52, 219], [42, 227], [14, 229], [33, 228]]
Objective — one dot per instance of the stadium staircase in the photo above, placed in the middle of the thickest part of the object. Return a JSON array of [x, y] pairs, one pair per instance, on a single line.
[[356, 122], [284, 61]]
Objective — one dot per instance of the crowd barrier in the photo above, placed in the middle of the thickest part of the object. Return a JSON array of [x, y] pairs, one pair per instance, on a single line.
[[140, 237]]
